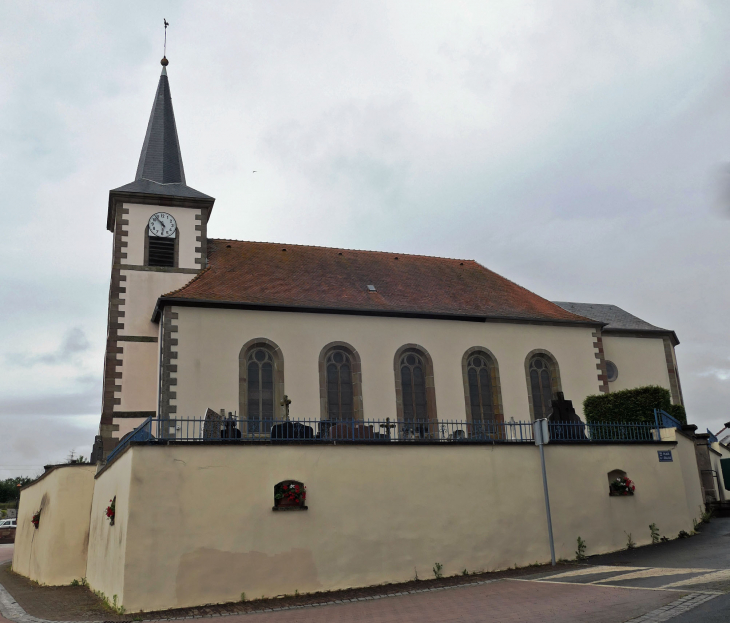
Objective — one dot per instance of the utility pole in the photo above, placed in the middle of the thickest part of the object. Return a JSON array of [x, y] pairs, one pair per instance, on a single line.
[[542, 436]]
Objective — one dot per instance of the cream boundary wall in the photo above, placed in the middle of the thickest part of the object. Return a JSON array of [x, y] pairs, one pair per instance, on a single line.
[[375, 513], [210, 340], [105, 569], [139, 216], [640, 361], [55, 553]]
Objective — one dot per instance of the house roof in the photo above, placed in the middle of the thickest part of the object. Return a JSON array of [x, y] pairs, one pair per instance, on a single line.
[[160, 171], [617, 320], [303, 278]]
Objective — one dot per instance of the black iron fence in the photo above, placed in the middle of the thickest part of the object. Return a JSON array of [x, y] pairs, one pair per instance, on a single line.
[[240, 430]]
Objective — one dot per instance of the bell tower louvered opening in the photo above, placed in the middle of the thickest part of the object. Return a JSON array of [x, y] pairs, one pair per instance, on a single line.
[[161, 252]]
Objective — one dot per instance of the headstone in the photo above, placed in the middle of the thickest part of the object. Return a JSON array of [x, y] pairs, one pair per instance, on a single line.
[[291, 430], [212, 426], [564, 421]]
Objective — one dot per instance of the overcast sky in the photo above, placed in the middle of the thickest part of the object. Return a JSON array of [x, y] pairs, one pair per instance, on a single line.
[[577, 148]]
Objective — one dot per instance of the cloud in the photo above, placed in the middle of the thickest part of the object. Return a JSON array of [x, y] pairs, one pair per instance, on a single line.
[[579, 149], [74, 343], [82, 403]]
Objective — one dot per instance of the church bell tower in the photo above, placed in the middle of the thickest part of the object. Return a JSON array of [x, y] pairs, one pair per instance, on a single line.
[[160, 233]]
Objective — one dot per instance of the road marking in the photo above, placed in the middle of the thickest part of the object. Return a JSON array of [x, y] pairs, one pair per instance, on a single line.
[[596, 569], [716, 576], [651, 573]]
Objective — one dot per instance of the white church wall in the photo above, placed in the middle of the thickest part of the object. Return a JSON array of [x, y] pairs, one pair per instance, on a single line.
[[139, 216], [209, 342], [143, 288], [139, 391], [201, 527], [640, 361]]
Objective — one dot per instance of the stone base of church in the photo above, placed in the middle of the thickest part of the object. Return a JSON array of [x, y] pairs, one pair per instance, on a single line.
[[194, 523]]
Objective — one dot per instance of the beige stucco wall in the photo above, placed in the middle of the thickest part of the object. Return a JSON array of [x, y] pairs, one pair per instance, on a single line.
[[139, 216], [139, 382], [126, 425], [143, 288], [201, 528], [717, 452], [640, 361], [210, 340], [55, 553], [108, 544]]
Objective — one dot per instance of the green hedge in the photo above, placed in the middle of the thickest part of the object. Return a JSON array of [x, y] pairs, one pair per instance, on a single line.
[[631, 405]]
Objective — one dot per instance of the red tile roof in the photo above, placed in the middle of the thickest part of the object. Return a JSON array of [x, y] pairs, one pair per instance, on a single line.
[[293, 276]]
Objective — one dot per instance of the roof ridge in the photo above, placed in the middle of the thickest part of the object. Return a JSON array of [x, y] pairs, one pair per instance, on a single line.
[[315, 246]]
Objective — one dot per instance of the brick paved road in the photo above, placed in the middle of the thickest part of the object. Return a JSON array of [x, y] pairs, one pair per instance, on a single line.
[[505, 601]]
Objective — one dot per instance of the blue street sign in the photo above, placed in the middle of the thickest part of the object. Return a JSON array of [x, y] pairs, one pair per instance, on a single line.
[[665, 456]]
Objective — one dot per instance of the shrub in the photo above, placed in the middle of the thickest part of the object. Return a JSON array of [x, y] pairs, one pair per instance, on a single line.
[[631, 405]]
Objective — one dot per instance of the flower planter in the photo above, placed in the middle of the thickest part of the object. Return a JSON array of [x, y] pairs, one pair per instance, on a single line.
[[290, 495]]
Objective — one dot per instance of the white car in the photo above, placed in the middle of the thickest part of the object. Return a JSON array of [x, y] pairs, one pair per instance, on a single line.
[[8, 523]]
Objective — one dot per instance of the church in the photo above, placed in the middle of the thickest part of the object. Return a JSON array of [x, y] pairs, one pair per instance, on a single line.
[[197, 323], [385, 401]]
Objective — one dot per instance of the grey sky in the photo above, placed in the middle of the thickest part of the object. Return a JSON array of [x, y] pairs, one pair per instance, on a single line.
[[573, 147]]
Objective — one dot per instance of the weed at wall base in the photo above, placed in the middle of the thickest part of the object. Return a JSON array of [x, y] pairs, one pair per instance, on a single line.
[[438, 570], [580, 553], [630, 543], [655, 538]]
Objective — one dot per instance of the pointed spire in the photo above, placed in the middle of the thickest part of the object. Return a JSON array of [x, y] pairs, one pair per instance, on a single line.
[[161, 160]]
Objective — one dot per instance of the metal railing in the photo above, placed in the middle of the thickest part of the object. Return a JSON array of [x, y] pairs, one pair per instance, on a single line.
[[241, 430]]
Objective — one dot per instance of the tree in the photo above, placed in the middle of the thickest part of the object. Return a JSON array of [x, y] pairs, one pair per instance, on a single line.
[[9, 488]]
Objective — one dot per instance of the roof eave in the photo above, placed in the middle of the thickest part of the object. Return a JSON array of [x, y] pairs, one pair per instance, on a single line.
[[116, 197], [656, 333], [165, 301]]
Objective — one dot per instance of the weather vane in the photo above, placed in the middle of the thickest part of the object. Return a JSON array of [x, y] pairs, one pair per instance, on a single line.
[[164, 60]]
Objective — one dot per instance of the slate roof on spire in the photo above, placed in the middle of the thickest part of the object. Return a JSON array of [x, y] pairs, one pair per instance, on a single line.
[[160, 170], [161, 160]]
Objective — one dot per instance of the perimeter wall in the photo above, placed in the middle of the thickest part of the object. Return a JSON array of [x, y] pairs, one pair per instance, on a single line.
[[55, 553], [199, 527]]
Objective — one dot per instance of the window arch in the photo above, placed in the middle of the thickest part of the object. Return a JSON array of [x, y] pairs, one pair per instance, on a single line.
[[543, 382], [414, 385], [260, 385], [340, 383], [482, 391]]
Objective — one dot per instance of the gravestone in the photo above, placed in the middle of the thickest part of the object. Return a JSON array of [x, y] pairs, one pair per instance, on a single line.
[[564, 421], [291, 430], [212, 426]]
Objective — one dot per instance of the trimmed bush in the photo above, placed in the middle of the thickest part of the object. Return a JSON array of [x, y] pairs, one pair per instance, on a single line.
[[631, 405]]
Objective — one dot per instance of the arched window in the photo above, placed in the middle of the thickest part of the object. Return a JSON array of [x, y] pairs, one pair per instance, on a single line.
[[261, 385], [481, 389], [339, 386], [414, 386], [340, 383], [543, 382], [413, 382], [260, 400]]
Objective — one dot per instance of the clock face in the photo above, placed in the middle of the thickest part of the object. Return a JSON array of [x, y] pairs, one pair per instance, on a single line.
[[162, 225]]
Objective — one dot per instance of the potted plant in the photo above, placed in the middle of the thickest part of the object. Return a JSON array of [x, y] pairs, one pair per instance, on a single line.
[[36, 519], [290, 494], [111, 510], [623, 485]]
